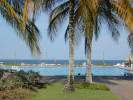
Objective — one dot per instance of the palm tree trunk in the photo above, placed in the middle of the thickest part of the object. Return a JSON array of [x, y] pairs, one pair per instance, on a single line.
[[70, 78], [89, 65]]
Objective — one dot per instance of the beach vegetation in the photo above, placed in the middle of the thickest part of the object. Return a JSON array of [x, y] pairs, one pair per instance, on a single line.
[[93, 86], [19, 85]]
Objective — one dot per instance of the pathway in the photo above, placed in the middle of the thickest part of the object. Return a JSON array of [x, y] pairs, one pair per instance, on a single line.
[[121, 87]]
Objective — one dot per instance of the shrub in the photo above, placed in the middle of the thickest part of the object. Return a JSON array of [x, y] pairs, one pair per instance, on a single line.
[[30, 80], [93, 86], [10, 83], [17, 85]]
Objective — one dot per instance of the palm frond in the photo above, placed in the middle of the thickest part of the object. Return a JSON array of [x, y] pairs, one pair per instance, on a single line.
[[9, 9], [48, 4], [110, 18], [66, 36], [26, 12], [56, 18], [30, 35], [124, 10], [97, 27]]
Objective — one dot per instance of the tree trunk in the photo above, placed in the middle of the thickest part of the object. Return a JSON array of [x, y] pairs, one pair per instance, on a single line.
[[89, 65], [70, 78]]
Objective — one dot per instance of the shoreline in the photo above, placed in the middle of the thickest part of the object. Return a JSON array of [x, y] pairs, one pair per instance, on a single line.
[[52, 65]]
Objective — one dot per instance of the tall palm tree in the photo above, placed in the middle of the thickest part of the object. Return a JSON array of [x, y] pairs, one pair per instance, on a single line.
[[95, 12], [52, 29], [69, 85], [12, 12], [113, 12], [47, 4]]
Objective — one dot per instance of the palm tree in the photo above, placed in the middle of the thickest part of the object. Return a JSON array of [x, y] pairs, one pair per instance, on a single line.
[[96, 12], [113, 11], [48, 4], [54, 18], [69, 85], [12, 12]]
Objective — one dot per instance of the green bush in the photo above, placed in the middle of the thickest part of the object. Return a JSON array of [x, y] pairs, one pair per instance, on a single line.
[[93, 86], [17, 85], [28, 80], [10, 83]]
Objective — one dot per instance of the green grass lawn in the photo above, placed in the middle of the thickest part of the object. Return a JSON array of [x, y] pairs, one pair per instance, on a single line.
[[55, 92]]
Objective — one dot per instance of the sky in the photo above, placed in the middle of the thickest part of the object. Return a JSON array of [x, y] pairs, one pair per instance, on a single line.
[[13, 47]]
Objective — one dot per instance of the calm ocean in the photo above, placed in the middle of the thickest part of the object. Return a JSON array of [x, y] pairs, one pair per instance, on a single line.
[[111, 62]]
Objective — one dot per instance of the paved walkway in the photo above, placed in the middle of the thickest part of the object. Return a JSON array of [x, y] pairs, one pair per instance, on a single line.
[[121, 87]]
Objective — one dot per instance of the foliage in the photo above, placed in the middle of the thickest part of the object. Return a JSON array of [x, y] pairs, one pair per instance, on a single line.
[[12, 12], [13, 83], [93, 86], [32, 78], [12, 80]]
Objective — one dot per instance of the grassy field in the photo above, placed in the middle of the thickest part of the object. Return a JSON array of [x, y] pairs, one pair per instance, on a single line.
[[55, 92]]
